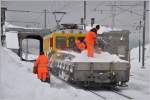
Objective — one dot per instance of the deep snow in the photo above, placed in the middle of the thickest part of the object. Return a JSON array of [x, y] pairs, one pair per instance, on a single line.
[[17, 82]]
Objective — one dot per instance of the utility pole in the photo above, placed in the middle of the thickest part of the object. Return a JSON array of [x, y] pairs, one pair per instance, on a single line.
[[45, 18], [113, 8], [140, 40], [112, 24], [84, 14], [27, 48], [92, 21], [143, 46], [3, 18]]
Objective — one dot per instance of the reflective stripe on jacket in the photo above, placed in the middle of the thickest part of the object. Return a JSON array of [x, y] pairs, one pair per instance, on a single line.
[[42, 61]]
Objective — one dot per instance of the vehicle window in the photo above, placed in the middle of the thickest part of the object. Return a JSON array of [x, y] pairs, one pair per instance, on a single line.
[[72, 43], [61, 43]]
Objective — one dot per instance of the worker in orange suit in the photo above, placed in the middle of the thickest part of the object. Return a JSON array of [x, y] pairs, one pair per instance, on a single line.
[[42, 66], [90, 40], [80, 45]]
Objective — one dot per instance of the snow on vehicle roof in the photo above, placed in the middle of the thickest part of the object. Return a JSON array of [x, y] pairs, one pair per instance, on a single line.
[[69, 52], [102, 57]]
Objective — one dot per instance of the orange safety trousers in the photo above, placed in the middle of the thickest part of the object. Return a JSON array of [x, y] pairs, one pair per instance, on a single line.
[[42, 73], [90, 43], [90, 49]]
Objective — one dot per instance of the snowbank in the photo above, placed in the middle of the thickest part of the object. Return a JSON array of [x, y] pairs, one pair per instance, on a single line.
[[17, 82], [139, 79], [135, 57]]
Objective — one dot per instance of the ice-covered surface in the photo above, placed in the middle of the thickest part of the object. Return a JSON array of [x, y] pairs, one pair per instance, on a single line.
[[12, 40]]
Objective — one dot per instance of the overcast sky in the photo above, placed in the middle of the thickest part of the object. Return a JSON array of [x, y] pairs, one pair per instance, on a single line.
[[127, 14]]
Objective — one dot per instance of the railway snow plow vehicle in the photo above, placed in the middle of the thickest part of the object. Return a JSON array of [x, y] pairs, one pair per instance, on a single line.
[[111, 66]]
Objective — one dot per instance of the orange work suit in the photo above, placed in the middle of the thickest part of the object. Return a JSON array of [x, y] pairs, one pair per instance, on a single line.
[[42, 67], [90, 43], [80, 45]]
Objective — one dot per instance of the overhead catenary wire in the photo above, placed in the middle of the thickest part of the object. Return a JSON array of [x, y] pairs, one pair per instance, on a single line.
[[27, 11], [131, 11], [67, 6], [45, 12], [117, 14], [100, 4]]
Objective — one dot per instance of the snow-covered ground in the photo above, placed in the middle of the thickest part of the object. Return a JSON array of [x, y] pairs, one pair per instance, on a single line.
[[17, 82], [140, 77]]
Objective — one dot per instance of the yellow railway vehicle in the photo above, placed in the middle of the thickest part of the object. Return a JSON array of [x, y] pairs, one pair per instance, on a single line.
[[61, 41], [87, 73]]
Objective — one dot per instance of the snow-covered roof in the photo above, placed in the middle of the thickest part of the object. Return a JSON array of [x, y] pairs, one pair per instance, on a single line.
[[8, 25]]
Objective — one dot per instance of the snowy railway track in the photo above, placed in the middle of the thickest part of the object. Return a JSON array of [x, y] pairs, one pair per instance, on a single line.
[[97, 93], [121, 94], [116, 93]]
